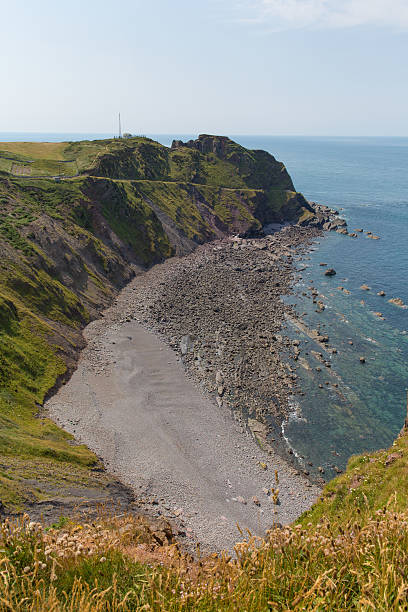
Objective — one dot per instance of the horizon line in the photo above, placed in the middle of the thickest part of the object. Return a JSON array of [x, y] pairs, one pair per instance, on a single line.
[[214, 134]]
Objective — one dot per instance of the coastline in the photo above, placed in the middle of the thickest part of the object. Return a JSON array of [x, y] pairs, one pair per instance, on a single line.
[[100, 365], [224, 317]]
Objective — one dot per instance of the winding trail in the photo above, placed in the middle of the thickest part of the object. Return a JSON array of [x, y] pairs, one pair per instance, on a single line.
[[131, 402]]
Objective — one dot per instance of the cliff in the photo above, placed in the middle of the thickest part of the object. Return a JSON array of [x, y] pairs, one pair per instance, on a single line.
[[78, 221]]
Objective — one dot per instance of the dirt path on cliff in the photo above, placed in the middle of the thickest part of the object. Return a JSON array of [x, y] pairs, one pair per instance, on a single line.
[[183, 454]]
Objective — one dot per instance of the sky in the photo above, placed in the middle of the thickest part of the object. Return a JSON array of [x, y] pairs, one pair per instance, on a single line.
[[281, 67]]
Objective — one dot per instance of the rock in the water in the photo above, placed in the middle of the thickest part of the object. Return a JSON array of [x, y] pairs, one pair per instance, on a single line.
[[397, 302], [382, 293], [362, 360], [365, 287], [330, 272]]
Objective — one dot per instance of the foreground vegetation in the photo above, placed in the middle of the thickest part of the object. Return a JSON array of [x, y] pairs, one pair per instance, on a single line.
[[121, 564]]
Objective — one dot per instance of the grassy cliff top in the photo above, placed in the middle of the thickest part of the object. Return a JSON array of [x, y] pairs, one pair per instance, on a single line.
[[212, 160]]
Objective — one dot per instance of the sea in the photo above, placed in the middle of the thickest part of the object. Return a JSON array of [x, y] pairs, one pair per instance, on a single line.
[[350, 407]]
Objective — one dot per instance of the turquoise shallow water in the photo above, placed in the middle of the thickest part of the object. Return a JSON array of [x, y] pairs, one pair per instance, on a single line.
[[367, 180]]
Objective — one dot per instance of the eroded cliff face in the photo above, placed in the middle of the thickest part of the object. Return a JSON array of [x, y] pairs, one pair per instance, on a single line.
[[258, 169]]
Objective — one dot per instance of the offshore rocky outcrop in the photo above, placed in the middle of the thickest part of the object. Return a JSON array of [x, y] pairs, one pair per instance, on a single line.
[[67, 247]]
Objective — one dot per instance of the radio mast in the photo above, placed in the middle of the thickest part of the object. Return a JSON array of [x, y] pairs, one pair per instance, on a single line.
[[120, 128]]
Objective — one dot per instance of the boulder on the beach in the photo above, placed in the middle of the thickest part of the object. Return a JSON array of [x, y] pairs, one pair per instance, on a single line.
[[186, 344], [330, 272], [219, 378]]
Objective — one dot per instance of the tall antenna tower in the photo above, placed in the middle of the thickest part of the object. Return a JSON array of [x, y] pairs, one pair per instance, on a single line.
[[120, 128]]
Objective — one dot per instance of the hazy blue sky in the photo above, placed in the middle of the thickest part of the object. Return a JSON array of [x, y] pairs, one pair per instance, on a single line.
[[323, 67]]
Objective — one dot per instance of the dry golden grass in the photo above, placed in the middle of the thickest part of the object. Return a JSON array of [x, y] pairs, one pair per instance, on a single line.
[[36, 150], [119, 564]]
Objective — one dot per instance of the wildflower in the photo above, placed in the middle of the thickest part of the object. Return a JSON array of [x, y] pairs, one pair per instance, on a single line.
[[102, 559]]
